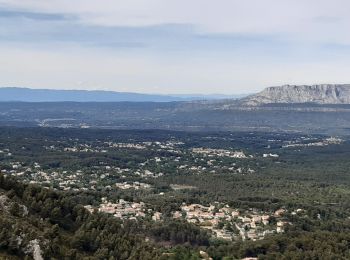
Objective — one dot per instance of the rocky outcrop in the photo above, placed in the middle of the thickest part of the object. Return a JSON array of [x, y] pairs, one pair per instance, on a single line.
[[7, 205], [34, 248], [288, 94]]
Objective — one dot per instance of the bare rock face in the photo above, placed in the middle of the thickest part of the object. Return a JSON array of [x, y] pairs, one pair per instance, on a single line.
[[35, 249], [318, 94]]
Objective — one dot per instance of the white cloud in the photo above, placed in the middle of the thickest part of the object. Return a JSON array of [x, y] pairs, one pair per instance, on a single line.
[[296, 19]]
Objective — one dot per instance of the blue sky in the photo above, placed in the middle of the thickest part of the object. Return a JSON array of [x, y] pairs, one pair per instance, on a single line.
[[173, 46]]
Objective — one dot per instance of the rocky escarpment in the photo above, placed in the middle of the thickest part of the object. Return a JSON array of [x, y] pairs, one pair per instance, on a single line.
[[288, 94]]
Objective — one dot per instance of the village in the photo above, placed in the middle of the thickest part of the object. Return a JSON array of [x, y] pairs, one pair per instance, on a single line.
[[232, 224], [133, 185], [125, 210], [307, 142], [220, 153], [223, 222], [104, 147]]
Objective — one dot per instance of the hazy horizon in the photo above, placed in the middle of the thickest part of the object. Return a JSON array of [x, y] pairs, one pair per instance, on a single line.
[[116, 91], [193, 94]]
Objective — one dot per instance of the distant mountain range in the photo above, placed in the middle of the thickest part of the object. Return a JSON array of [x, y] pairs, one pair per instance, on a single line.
[[48, 95], [288, 94]]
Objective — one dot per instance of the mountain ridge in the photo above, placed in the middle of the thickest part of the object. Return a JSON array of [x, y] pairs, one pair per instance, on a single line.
[[290, 94]]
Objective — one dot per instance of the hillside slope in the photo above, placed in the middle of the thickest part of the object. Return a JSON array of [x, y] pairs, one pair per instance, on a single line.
[[44, 224]]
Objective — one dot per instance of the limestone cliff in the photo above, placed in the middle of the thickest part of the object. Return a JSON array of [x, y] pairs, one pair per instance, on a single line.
[[319, 94]]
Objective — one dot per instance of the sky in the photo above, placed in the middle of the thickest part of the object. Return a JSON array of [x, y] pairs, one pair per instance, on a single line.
[[173, 46]]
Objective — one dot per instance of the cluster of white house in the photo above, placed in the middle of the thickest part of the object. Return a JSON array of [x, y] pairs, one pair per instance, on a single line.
[[125, 210], [248, 224], [133, 185], [220, 153], [325, 142]]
